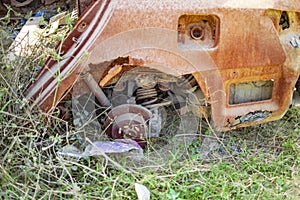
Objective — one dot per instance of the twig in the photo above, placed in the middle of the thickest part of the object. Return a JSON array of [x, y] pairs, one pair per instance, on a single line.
[[218, 139]]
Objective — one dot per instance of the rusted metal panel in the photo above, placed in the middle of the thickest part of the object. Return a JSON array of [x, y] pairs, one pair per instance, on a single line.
[[221, 43]]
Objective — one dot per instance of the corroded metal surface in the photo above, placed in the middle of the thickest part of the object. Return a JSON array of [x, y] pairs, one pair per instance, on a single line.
[[128, 120], [222, 43]]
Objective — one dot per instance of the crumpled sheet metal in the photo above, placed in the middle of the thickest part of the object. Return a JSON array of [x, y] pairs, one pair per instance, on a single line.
[[148, 31]]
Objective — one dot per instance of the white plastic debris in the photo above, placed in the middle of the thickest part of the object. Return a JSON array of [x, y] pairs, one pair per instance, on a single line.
[[142, 191], [111, 147], [99, 148], [71, 151], [26, 39], [56, 21]]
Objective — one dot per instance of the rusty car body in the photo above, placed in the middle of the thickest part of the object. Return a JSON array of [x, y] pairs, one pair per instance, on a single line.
[[243, 55]]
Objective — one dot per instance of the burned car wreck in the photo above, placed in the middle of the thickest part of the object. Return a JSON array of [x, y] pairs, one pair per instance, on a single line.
[[130, 65]]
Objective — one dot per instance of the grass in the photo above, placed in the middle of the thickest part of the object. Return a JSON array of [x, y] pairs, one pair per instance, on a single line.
[[266, 167]]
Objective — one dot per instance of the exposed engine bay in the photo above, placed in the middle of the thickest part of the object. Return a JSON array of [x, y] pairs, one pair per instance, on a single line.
[[141, 104]]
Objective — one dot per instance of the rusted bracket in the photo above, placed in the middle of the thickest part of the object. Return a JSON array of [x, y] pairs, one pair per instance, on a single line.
[[96, 90]]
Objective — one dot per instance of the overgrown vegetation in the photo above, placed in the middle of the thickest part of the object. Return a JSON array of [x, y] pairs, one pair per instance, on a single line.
[[264, 160]]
